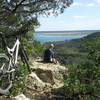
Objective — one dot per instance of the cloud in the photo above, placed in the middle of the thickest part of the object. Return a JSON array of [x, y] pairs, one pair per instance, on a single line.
[[79, 4], [91, 5], [85, 25], [97, 1], [76, 4], [78, 16], [76, 25]]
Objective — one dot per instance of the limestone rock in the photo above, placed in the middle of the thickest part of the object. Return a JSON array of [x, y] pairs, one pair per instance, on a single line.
[[46, 76], [21, 97]]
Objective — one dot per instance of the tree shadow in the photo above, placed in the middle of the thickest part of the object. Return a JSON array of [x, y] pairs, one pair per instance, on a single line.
[[55, 94]]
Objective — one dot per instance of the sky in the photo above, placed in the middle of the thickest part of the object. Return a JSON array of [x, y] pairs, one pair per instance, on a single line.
[[81, 15]]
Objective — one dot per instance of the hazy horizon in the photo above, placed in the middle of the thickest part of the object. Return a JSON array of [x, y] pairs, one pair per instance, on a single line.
[[60, 36], [63, 30]]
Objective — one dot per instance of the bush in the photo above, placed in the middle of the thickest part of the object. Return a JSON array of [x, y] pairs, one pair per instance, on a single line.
[[19, 83], [32, 47], [83, 82]]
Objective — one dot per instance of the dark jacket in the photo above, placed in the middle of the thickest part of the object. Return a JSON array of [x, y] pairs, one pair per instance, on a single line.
[[48, 55]]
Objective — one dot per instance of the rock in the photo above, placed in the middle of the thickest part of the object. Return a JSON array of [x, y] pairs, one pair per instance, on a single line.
[[43, 79], [46, 76], [21, 97], [35, 83]]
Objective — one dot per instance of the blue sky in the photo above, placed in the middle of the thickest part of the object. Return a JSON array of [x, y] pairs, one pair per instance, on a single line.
[[81, 15]]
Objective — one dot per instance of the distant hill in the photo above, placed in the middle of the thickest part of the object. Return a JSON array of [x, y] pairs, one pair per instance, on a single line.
[[93, 35], [68, 32], [77, 42], [73, 51]]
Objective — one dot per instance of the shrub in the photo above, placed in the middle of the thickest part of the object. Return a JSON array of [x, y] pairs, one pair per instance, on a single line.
[[83, 82]]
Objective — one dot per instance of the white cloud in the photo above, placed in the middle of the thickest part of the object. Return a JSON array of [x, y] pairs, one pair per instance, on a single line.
[[98, 1], [85, 25], [90, 5], [76, 4], [78, 16], [79, 4], [76, 25]]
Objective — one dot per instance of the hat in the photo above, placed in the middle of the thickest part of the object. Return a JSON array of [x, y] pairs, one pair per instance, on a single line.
[[51, 45]]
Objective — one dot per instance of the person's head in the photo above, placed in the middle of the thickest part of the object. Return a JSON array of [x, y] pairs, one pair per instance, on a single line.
[[51, 46]]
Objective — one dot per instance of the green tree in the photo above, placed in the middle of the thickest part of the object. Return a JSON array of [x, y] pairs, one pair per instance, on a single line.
[[83, 82], [31, 46], [19, 16]]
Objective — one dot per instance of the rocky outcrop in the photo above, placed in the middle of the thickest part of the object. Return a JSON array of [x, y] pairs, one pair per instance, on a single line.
[[48, 74], [43, 78]]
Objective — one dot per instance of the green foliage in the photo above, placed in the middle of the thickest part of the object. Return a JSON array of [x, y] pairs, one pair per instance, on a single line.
[[32, 47], [93, 49], [70, 55], [38, 48], [20, 16], [83, 82], [19, 83]]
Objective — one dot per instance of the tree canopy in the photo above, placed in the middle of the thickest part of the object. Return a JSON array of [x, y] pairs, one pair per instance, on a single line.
[[19, 16]]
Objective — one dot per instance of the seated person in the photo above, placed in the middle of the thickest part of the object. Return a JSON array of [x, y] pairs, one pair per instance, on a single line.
[[49, 55]]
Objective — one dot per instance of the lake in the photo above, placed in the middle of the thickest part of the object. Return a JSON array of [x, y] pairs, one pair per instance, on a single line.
[[60, 36]]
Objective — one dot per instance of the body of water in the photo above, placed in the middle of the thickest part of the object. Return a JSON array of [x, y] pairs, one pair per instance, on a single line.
[[52, 36]]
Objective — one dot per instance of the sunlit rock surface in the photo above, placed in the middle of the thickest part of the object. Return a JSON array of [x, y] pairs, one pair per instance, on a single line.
[[21, 97], [45, 75], [44, 78]]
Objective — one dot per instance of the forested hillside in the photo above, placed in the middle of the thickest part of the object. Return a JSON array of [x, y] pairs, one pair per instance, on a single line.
[[74, 51], [83, 62], [93, 36]]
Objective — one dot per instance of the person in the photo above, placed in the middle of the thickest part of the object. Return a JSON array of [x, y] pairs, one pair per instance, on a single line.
[[49, 55]]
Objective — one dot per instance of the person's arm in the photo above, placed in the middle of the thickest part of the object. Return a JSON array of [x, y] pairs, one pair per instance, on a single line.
[[53, 58], [51, 55]]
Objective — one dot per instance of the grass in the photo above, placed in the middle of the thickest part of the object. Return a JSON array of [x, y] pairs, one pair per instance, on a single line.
[[19, 83]]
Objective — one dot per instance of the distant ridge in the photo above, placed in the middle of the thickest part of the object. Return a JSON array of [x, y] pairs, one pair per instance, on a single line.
[[67, 31], [77, 42], [93, 35]]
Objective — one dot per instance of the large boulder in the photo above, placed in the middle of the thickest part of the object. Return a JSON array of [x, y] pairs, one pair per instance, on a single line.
[[46, 76]]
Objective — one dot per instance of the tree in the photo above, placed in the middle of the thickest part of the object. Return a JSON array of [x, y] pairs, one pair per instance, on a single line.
[[19, 16], [83, 81]]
